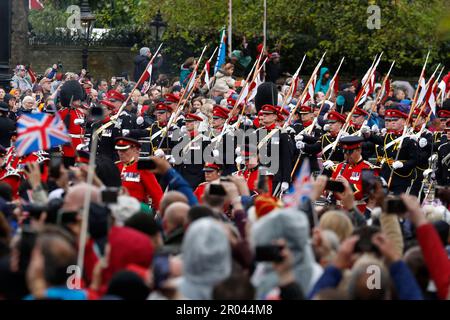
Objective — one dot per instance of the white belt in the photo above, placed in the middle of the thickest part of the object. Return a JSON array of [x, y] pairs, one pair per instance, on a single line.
[[79, 136]]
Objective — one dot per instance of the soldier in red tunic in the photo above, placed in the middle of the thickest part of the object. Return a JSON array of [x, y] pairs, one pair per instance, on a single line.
[[252, 169], [351, 168], [140, 184], [212, 172], [73, 116]]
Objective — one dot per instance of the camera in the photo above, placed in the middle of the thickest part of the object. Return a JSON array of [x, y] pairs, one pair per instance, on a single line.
[[271, 253]]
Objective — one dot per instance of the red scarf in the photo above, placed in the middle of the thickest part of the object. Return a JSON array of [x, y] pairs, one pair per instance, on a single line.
[[395, 132], [270, 127]]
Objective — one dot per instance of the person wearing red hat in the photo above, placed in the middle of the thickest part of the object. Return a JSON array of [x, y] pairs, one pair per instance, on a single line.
[[311, 146], [223, 150], [387, 145], [190, 148], [251, 171], [140, 184], [8, 172], [212, 172], [270, 137], [116, 98], [351, 169], [357, 120]]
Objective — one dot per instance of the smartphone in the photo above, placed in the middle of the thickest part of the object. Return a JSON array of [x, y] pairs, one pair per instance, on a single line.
[[109, 195], [395, 206], [335, 186], [269, 252], [161, 270], [55, 166], [217, 190], [365, 244], [146, 164]]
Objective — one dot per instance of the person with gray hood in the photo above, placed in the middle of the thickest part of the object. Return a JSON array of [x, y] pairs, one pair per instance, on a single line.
[[206, 255], [292, 226], [141, 61]]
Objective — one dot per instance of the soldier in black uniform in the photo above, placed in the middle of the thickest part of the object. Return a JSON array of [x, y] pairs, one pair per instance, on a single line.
[[443, 162], [404, 166], [302, 129], [426, 149], [357, 127], [107, 136], [274, 148], [188, 152], [313, 146], [7, 126], [222, 148]]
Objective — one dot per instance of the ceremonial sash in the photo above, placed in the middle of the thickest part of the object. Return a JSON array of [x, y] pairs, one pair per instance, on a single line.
[[186, 148], [266, 138]]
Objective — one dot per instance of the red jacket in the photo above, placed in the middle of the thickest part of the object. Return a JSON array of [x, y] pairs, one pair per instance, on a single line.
[[435, 258], [353, 174], [76, 131], [140, 184], [251, 175]]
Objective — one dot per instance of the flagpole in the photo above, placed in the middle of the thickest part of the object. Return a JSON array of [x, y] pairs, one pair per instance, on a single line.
[[87, 200], [230, 24], [265, 32]]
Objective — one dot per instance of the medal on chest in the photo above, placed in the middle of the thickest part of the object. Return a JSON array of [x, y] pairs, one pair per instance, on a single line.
[[131, 176]]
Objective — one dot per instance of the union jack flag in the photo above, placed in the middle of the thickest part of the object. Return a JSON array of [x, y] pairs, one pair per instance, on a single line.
[[302, 186], [39, 131]]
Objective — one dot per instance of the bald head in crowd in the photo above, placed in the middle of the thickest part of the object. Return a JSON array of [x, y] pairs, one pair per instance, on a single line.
[[74, 199], [176, 216], [169, 198]]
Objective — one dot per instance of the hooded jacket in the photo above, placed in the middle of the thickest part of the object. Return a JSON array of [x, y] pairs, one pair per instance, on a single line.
[[292, 226], [323, 87]]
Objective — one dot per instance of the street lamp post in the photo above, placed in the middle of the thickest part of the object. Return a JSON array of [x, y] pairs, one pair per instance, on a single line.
[[157, 26], [87, 19]]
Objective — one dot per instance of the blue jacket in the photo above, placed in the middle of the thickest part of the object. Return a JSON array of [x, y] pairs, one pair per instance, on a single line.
[[176, 182], [405, 284], [323, 87], [62, 293]]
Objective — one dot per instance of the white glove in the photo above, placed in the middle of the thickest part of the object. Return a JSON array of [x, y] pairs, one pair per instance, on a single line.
[[433, 158], [318, 126], [183, 129], [344, 134], [215, 153], [414, 137], [125, 132], [397, 165], [383, 131], [375, 129], [171, 159], [326, 127], [300, 145], [299, 137], [238, 150], [427, 173], [159, 153], [423, 142], [78, 121], [365, 129], [140, 120], [284, 186], [248, 122], [328, 164]]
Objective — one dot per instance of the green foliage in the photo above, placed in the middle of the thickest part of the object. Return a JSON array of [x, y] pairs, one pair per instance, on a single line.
[[409, 28], [47, 20]]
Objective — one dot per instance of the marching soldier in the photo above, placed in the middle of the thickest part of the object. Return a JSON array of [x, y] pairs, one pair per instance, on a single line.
[[252, 169], [351, 169], [443, 162], [140, 184], [223, 148], [274, 148], [73, 115], [426, 148], [212, 172], [189, 150], [311, 146], [387, 149]]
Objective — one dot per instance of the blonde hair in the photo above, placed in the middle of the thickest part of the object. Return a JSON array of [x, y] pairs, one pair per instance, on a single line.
[[338, 222]]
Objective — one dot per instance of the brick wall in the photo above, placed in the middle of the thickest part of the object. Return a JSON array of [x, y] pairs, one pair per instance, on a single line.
[[102, 62]]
